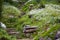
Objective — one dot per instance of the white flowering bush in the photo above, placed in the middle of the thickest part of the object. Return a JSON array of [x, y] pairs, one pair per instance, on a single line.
[[48, 17]]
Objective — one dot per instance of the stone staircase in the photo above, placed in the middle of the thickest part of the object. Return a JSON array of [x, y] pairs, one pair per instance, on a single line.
[[13, 32]]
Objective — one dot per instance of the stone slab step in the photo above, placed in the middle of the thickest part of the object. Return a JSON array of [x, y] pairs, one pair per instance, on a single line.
[[25, 39]]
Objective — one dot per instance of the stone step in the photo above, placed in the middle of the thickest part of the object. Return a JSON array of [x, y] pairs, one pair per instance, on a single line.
[[25, 39], [12, 31]]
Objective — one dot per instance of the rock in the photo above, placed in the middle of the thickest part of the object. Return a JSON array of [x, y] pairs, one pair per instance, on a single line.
[[2, 25], [58, 39], [57, 35], [49, 39], [41, 38]]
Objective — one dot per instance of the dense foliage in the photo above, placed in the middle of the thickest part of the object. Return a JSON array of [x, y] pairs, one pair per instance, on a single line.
[[42, 13]]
